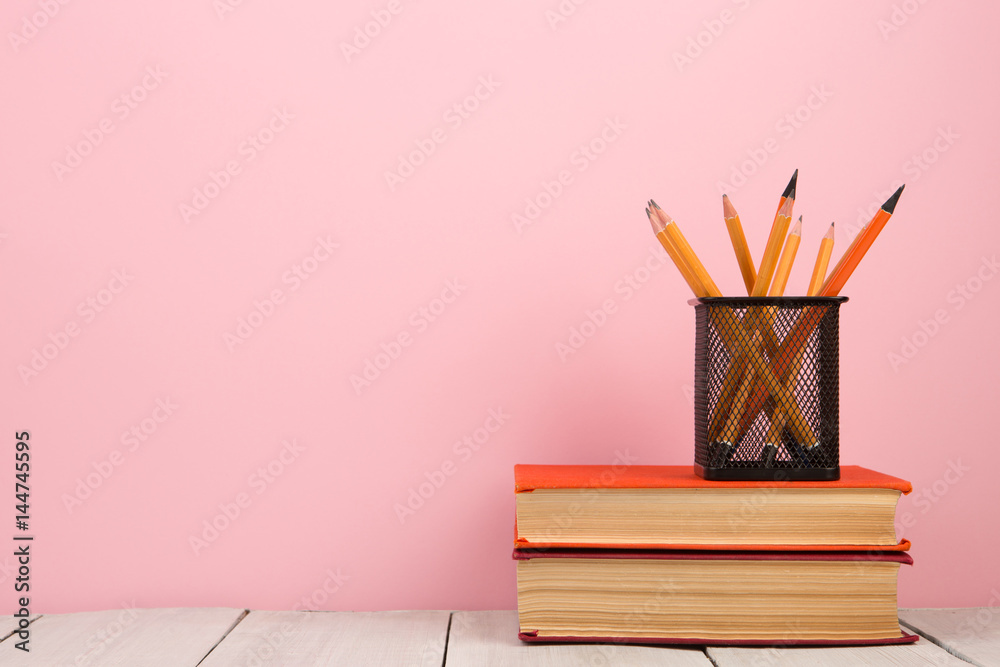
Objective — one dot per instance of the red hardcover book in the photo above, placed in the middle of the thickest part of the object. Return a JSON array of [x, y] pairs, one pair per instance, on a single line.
[[669, 507], [709, 597]]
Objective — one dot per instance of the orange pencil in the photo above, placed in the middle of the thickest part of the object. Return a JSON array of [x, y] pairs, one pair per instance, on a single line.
[[810, 318], [845, 267]]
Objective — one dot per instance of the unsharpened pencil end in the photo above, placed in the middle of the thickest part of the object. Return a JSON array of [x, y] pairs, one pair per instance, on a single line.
[[728, 210], [890, 204], [829, 232], [790, 188]]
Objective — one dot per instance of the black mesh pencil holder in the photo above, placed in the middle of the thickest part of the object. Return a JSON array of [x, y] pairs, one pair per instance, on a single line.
[[766, 388]]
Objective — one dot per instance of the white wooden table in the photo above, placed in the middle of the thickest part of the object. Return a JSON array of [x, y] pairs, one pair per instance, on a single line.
[[223, 637]]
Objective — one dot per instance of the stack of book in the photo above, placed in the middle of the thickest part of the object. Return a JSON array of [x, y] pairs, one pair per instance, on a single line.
[[655, 554]]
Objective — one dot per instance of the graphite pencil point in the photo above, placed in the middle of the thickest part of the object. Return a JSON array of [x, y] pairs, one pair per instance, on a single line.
[[790, 188], [890, 204]]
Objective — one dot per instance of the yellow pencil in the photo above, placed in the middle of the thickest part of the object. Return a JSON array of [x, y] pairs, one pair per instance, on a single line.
[[774, 242], [659, 229], [740, 246], [686, 251], [822, 261], [787, 258]]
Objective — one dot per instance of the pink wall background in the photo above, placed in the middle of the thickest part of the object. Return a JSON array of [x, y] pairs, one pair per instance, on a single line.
[[158, 100]]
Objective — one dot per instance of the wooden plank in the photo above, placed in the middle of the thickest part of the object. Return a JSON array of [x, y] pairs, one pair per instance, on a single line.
[[287, 638], [904, 655], [972, 634], [480, 638], [8, 625], [127, 636]]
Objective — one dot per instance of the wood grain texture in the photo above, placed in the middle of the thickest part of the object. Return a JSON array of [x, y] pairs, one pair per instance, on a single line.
[[904, 655], [8, 624], [490, 638], [178, 637], [972, 634], [310, 639], [128, 637]]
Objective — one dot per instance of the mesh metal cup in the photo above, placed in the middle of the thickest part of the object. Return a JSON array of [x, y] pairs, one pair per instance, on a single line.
[[766, 388]]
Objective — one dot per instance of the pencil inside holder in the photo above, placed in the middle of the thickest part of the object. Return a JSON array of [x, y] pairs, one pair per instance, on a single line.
[[766, 388]]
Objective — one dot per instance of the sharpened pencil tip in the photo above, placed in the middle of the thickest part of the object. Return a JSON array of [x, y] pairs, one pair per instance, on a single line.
[[786, 208], [655, 205], [829, 232], [728, 210], [890, 204], [797, 229], [790, 188], [648, 213], [654, 220]]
